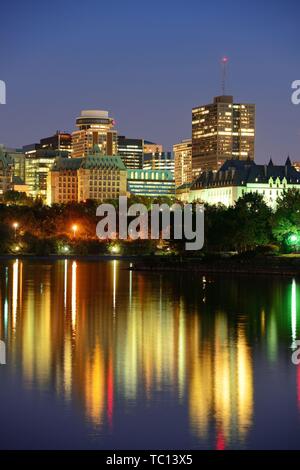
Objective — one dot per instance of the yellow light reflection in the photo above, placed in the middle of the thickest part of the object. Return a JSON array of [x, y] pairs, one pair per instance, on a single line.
[[95, 386], [114, 282], [15, 290], [65, 283], [74, 293], [244, 383], [220, 382], [181, 352], [68, 366], [130, 288]]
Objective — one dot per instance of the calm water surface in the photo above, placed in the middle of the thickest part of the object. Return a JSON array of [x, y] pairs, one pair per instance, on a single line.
[[99, 357]]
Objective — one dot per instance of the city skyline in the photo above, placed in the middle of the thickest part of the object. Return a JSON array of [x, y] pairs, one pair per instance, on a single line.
[[150, 231], [152, 86]]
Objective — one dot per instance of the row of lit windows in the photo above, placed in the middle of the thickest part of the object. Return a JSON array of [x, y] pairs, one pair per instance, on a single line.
[[67, 191], [104, 184]]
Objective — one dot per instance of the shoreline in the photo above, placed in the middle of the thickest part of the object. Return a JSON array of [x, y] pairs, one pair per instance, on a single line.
[[263, 265]]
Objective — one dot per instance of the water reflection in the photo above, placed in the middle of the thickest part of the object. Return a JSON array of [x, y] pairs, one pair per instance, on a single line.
[[74, 293], [103, 337], [294, 310]]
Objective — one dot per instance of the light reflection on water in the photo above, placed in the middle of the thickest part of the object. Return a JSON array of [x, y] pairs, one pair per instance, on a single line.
[[112, 343]]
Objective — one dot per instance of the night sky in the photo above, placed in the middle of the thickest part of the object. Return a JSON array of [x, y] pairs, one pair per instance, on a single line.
[[148, 63]]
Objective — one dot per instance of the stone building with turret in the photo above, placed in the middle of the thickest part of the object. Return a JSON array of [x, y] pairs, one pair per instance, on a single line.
[[238, 177]]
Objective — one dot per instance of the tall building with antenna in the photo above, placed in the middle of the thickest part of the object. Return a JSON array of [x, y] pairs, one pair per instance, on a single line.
[[222, 130]]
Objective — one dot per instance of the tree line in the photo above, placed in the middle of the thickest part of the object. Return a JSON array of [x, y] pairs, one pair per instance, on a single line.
[[247, 226]]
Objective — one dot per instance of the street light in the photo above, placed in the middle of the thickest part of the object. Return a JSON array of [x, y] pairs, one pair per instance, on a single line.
[[74, 228], [115, 249], [293, 239], [15, 226]]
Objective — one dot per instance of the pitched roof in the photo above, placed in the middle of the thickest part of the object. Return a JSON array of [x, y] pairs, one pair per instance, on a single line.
[[241, 172], [5, 159], [183, 186], [103, 162], [94, 161], [62, 163]]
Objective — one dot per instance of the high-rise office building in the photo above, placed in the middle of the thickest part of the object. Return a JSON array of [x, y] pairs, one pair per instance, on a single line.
[[38, 162], [159, 161], [152, 147], [220, 131], [183, 162], [95, 127], [131, 152], [61, 141], [39, 158]]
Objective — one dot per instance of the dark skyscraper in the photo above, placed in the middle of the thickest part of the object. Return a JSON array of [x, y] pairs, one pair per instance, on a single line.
[[131, 152], [60, 141]]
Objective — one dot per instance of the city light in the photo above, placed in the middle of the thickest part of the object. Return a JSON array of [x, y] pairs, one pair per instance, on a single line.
[[75, 229], [15, 226], [293, 239], [115, 249]]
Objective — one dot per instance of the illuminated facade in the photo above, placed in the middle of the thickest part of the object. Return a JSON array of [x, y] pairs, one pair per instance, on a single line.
[[61, 141], [152, 147], [38, 163], [18, 158], [19, 185], [131, 152], [296, 165], [220, 131], [95, 177], [236, 178], [95, 127], [183, 162], [102, 177], [151, 183], [159, 161], [6, 173], [62, 181]]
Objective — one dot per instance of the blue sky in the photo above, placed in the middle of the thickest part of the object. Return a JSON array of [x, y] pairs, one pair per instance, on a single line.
[[148, 63]]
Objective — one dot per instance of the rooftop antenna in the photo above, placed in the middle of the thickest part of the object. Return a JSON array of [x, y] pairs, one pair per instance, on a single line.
[[224, 64]]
